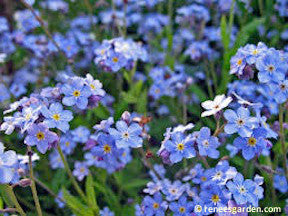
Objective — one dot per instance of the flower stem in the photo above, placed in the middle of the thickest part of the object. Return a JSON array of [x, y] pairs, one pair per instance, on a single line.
[[47, 32], [41, 184], [13, 198], [33, 185], [282, 140], [69, 172]]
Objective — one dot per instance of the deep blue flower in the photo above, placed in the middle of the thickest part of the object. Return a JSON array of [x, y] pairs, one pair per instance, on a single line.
[[80, 170], [174, 190], [127, 136], [80, 134], [214, 196], [252, 146], [280, 91], [106, 212], [76, 93], [179, 147], [207, 144], [280, 183], [40, 136], [106, 146], [182, 207], [56, 117], [67, 143], [8, 163], [243, 190], [154, 206], [270, 67], [239, 122]]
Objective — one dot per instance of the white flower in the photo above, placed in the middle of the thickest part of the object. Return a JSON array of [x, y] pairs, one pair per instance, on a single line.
[[212, 107], [2, 57]]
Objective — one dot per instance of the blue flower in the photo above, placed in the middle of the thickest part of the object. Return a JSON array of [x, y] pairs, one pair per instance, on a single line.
[[76, 93], [67, 143], [239, 122], [173, 190], [105, 148], [179, 147], [214, 196], [55, 160], [238, 63], [80, 170], [253, 145], [280, 91], [154, 206], [223, 172], [40, 136], [243, 190], [59, 199], [8, 163], [5, 95], [207, 144], [80, 134], [280, 183], [127, 136], [56, 117], [270, 67], [106, 212], [115, 61], [95, 86], [182, 207]]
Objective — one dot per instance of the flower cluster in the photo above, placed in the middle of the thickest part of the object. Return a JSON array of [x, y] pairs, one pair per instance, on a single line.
[[119, 53], [212, 187]]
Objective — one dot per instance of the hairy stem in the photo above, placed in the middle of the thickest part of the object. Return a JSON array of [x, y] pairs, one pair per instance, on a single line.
[[13, 198], [33, 185], [282, 139], [69, 172]]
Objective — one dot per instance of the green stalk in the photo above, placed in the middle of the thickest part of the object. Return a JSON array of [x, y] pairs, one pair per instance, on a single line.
[[69, 172], [33, 185], [11, 194], [282, 139]]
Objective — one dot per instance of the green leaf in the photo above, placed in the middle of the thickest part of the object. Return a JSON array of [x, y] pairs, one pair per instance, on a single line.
[[141, 106], [90, 192], [136, 183], [77, 207], [224, 36], [109, 195], [4, 195]]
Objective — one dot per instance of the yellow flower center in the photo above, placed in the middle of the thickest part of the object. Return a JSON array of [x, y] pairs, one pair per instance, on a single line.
[[28, 116], [182, 209], [180, 146], [215, 198], [252, 141], [203, 178], [67, 144], [56, 117], [255, 52], [155, 205], [82, 169], [76, 93], [107, 148], [115, 59], [40, 136], [239, 62], [92, 86]]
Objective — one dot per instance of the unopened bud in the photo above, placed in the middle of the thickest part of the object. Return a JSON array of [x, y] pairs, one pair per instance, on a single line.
[[25, 182]]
